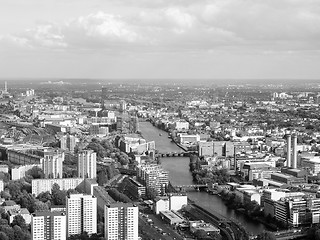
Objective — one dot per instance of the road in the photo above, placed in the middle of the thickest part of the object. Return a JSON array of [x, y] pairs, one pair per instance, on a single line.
[[155, 230]]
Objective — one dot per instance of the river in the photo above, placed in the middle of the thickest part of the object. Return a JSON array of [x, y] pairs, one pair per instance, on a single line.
[[179, 174]]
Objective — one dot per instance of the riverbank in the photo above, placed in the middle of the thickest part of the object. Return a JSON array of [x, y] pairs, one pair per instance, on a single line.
[[179, 174]]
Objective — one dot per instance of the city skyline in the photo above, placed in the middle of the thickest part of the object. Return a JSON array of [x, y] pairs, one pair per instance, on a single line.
[[160, 39]]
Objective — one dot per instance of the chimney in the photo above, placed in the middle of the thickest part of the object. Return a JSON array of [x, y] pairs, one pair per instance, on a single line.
[[288, 162], [294, 151]]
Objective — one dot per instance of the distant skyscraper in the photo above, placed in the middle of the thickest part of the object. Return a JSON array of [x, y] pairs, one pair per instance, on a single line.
[[81, 214], [121, 221], [48, 226], [87, 164], [52, 164]]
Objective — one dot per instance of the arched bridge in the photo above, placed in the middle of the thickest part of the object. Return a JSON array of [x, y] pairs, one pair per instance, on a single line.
[[175, 154]]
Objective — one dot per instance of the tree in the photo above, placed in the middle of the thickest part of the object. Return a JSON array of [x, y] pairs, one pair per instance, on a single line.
[[26, 200], [45, 196], [6, 195], [14, 189], [116, 195], [7, 230], [215, 236], [317, 234], [267, 236], [18, 233], [40, 206], [123, 159], [58, 196], [4, 222], [102, 178], [3, 236], [18, 220], [72, 191], [200, 234], [152, 193], [35, 173], [5, 176]]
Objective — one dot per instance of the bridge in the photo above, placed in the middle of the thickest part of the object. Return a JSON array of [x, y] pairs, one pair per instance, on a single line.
[[173, 154], [176, 154], [190, 187], [290, 234]]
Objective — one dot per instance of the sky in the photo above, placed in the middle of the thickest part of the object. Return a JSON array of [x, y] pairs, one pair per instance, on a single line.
[[174, 39]]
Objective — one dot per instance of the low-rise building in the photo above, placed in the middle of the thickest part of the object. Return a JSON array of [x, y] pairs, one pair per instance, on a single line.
[[287, 179], [4, 168], [200, 225], [172, 202], [171, 217], [248, 193], [311, 163], [188, 139], [294, 211], [177, 201], [22, 212], [18, 172], [10, 205], [161, 204], [44, 185], [135, 189]]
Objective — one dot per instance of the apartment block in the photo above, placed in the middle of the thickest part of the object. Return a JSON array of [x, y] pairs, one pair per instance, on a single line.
[[44, 185], [52, 164], [121, 221], [81, 214], [48, 226], [68, 142], [87, 164], [153, 177], [19, 172]]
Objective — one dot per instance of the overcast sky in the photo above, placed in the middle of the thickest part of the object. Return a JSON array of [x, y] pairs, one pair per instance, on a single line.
[[160, 39]]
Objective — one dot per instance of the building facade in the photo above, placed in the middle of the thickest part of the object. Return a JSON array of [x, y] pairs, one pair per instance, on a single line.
[[153, 177], [68, 142], [44, 185], [87, 164], [81, 214], [48, 226], [52, 164], [121, 221]]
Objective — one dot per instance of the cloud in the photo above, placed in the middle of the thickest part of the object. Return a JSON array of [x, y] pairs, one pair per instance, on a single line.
[[104, 27], [48, 36], [9, 42], [272, 25]]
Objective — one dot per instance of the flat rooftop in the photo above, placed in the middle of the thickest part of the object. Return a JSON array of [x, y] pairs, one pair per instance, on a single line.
[[204, 226], [172, 215], [282, 175]]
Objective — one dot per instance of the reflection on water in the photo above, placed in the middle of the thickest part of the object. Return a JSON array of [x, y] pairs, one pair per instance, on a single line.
[[179, 174]]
